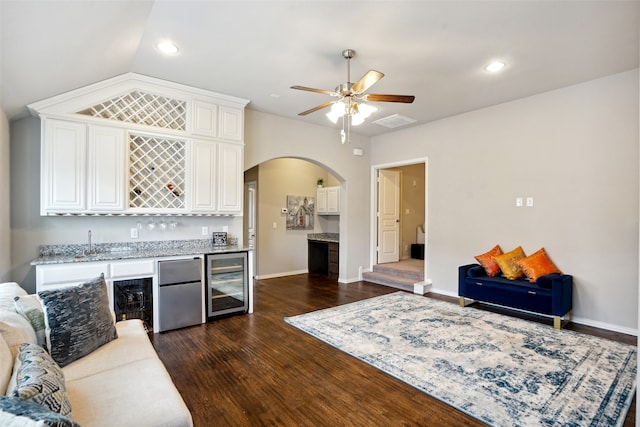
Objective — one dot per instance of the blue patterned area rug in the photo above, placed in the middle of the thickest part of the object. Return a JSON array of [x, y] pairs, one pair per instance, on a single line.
[[502, 370]]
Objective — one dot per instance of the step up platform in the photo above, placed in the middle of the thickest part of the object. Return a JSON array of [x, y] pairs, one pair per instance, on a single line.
[[407, 275]]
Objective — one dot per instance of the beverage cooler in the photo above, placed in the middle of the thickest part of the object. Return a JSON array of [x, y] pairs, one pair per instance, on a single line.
[[227, 283]]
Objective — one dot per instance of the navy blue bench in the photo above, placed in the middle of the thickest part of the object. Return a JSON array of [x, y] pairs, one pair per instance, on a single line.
[[550, 295]]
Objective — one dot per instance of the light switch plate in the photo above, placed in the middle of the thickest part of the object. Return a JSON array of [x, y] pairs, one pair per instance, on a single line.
[[529, 201], [519, 202]]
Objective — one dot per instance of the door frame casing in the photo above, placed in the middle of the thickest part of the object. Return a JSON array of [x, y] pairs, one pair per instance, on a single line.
[[373, 209]]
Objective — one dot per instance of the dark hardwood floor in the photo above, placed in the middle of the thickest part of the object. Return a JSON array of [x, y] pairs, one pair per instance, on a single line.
[[256, 370]]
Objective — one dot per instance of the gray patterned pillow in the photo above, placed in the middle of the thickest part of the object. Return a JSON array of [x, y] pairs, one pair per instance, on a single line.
[[18, 412], [78, 320], [40, 380]]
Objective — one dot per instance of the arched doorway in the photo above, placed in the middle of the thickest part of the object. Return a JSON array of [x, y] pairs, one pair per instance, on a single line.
[[280, 251]]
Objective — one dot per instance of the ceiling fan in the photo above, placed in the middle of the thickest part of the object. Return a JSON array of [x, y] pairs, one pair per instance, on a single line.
[[351, 97]]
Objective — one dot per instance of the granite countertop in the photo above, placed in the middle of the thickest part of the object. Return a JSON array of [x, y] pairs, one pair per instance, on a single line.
[[324, 237], [61, 254]]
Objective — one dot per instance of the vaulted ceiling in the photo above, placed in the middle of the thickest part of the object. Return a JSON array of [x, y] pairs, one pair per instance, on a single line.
[[435, 50]]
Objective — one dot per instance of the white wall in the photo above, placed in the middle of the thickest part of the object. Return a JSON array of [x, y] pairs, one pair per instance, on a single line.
[[269, 137], [29, 230], [575, 151], [5, 230]]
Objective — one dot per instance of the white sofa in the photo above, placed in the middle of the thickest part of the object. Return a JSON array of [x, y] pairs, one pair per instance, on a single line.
[[122, 383]]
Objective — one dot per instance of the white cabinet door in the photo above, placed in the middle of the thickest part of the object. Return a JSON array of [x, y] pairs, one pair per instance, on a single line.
[[231, 123], [230, 178], [63, 157], [321, 202], [328, 201], [203, 176], [107, 174], [333, 200], [205, 117]]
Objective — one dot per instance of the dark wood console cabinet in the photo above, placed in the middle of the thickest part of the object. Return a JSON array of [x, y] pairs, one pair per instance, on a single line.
[[323, 258]]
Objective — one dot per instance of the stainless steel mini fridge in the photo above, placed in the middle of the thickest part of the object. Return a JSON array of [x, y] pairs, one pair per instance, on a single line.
[[180, 300], [227, 283]]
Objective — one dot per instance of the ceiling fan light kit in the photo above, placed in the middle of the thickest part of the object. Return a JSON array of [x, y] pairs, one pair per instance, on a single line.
[[350, 104]]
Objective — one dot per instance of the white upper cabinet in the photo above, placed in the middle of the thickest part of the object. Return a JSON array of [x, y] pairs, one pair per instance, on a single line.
[[205, 119], [107, 169], [217, 177], [230, 178], [63, 174], [135, 145], [328, 201], [203, 179], [231, 124]]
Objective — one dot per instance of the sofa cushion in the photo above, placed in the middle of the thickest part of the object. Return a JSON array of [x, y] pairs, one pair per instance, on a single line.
[[132, 345], [78, 320], [40, 380], [508, 265], [8, 291], [16, 330], [537, 264], [6, 365], [29, 307], [488, 262], [16, 412], [116, 397]]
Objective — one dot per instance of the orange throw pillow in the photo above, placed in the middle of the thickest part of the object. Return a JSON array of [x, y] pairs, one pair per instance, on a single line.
[[508, 265], [487, 260], [537, 264]]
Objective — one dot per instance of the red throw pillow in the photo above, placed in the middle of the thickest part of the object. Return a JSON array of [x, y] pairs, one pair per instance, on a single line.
[[487, 260]]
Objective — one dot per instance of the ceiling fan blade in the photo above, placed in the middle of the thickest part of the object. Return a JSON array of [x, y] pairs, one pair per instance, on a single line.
[[377, 97], [319, 107], [310, 89], [366, 81]]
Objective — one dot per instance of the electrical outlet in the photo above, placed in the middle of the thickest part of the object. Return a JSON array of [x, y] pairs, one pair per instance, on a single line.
[[529, 201], [205, 231], [134, 233], [519, 202], [225, 228]]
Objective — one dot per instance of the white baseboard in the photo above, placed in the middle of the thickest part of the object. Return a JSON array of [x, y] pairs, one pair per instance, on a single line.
[[349, 279], [283, 274], [579, 320], [603, 325]]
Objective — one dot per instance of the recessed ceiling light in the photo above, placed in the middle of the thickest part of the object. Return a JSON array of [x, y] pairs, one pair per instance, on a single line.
[[167, 47], [495, 66]]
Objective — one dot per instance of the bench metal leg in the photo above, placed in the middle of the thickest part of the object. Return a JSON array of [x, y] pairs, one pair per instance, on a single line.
[[461, 301], [557, 322]]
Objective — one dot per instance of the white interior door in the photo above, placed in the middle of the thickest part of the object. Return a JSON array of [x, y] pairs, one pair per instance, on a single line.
[[388, 216]]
